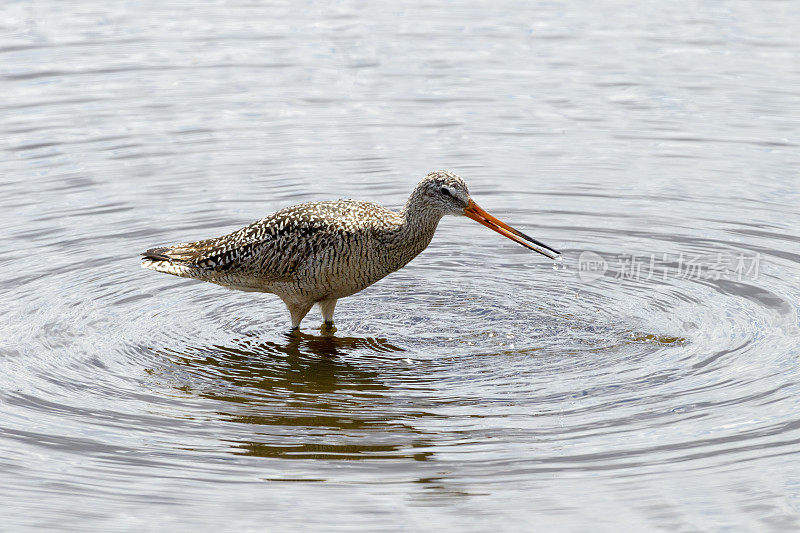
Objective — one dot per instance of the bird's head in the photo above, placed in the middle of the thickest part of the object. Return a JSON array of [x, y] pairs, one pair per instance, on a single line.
[[444, 193]]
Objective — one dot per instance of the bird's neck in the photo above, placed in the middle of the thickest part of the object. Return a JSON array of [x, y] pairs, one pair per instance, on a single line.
[[418, 225]]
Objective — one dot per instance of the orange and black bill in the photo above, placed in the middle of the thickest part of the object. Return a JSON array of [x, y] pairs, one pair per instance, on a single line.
[[479, 215]]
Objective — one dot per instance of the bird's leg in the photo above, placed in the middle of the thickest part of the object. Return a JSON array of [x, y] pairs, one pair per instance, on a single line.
[[326, 307], [298, 311]]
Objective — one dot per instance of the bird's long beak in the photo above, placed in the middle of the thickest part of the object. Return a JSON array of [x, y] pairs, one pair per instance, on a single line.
[[479, 215]]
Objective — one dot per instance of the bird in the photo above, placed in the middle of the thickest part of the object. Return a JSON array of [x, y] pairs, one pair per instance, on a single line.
[[320, 252]]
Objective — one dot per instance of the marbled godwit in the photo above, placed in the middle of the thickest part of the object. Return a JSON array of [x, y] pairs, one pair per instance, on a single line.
[[322, 251]]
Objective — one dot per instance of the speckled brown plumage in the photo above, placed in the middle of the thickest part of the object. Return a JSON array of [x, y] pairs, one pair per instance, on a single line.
[[318, 252]]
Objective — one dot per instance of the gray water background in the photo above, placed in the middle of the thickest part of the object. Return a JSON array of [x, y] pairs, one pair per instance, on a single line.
[[480, 388]]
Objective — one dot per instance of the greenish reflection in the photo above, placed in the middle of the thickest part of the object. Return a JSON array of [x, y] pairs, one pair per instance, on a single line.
[[308, 397]]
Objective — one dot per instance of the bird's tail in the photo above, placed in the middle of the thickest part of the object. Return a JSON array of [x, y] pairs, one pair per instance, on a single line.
[[178, 260]]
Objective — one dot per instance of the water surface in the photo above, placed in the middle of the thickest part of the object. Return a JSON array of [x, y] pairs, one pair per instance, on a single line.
[[482, 386]]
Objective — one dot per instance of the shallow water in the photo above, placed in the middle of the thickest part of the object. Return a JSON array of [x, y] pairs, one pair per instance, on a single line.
[[482, 386]]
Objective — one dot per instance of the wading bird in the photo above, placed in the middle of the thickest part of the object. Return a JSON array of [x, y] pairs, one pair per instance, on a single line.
[[318, 252]]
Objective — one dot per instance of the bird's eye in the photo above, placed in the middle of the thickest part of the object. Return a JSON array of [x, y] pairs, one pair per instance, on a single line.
[[445, 191]]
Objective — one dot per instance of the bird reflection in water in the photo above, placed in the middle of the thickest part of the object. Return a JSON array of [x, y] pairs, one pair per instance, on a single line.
[[302, 399]]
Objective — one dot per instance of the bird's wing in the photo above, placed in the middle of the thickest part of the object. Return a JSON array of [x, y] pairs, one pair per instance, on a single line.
[[271, 249]]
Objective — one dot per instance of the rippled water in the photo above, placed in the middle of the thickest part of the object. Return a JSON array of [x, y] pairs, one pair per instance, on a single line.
[[482, 386]]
